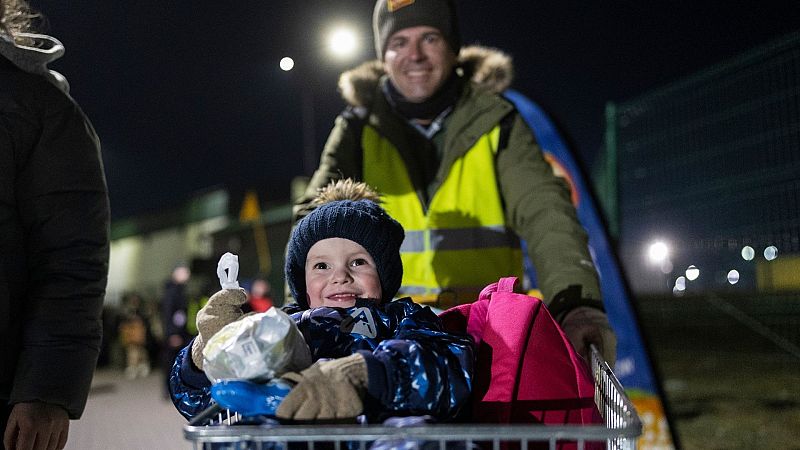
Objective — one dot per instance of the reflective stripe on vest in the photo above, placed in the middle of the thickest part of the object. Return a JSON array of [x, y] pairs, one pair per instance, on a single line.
[[461, 243]]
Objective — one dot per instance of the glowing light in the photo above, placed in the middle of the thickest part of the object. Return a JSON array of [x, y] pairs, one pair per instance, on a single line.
[[692, 273], [286, 64], [342, 42], [770, 253], [680, 284], [658, 252], [733, 276], [748, 253]]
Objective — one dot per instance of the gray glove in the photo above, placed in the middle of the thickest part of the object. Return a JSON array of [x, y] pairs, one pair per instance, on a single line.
[[331, 389], [222, 308], [584, 326]]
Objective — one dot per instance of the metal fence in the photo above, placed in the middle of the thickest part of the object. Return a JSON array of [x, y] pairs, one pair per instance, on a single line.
[[711, 164]]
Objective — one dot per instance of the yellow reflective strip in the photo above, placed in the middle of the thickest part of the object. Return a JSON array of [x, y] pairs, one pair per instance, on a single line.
[[458, 239], [414, 242], [472, 238]]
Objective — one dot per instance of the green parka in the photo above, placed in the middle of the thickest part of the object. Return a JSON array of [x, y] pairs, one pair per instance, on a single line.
[[537, 203]]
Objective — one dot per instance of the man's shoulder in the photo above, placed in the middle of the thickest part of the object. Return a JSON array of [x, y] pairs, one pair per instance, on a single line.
[[477, 96], [479, 108]]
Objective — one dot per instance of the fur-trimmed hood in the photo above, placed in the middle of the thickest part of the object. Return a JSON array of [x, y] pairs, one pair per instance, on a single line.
[[489, 69], [33, 57]]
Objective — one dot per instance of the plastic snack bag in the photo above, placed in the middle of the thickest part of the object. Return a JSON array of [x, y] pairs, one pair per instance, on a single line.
[[257, 347]]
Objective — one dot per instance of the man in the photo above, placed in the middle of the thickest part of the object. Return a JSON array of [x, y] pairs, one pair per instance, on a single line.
[[54, 219], [458, 167]]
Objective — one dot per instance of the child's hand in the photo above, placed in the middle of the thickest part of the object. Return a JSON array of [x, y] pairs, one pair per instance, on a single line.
[[222, 308], [326, 390]]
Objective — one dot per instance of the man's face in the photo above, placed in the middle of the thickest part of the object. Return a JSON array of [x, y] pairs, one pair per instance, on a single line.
[[418, 61]]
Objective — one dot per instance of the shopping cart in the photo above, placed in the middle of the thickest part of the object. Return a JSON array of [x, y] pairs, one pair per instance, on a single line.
[[216, 429]]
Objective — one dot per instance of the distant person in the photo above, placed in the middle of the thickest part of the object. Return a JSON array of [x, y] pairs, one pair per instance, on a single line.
[[259, 297], [174, 317], [133, 335], [458, 167], [54, 242]]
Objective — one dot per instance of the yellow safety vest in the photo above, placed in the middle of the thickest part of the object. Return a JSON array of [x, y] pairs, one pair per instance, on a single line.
[[461, 243]]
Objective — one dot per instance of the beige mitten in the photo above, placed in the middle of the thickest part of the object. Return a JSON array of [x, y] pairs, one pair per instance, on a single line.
[[222, 308], [331, 389], [584, 326]]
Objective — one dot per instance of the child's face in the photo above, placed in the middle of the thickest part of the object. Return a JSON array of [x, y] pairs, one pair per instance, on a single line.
[[338, 271]]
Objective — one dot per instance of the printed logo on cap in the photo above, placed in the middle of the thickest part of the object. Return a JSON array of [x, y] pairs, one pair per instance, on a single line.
[[394, 5]]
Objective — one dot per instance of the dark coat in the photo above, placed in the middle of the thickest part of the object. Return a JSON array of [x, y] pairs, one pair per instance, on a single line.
[[54, 243]]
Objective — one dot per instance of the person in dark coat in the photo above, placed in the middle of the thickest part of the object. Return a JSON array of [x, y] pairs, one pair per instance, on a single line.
[[174, 317], [54, 241]]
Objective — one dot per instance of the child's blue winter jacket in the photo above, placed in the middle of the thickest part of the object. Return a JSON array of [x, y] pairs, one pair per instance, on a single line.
[[415, 368]]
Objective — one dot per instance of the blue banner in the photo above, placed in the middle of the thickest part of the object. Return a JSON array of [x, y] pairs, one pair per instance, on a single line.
[[633, 367]]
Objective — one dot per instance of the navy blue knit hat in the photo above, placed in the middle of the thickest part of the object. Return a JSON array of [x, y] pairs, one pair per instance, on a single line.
[[361, 221], [390, 16]]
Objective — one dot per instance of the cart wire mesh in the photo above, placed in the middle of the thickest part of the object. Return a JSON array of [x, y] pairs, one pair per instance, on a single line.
[[218, 429]]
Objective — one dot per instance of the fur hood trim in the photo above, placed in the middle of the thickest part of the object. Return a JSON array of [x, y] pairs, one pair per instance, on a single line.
[[489, 69], [34, 55]]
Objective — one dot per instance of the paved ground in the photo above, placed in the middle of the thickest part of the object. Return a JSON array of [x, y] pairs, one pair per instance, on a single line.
[[126, 414]]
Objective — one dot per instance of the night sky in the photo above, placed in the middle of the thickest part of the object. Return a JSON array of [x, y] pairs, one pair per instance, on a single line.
[[187, 96]]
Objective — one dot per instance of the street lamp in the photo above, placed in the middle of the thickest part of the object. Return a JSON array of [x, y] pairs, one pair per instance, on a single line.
[[342, 42], [658, 252]]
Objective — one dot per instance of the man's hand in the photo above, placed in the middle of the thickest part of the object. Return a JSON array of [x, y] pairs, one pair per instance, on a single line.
[[222, 308], [584, 326], [327, 390], [36, 426]]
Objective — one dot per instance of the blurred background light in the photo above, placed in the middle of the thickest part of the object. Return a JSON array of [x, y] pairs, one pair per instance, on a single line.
[[680, 283], [733, 276], [770, 253], [692, 273], [748, 253], [286, 64]]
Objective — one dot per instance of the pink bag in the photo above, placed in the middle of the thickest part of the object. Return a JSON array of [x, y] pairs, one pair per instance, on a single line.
[[526, 370]]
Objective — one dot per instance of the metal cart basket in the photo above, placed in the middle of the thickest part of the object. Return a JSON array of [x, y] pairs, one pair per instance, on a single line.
[[621, 429]]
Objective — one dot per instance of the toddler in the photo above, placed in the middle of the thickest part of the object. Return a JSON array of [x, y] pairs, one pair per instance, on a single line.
[[374, 356]]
